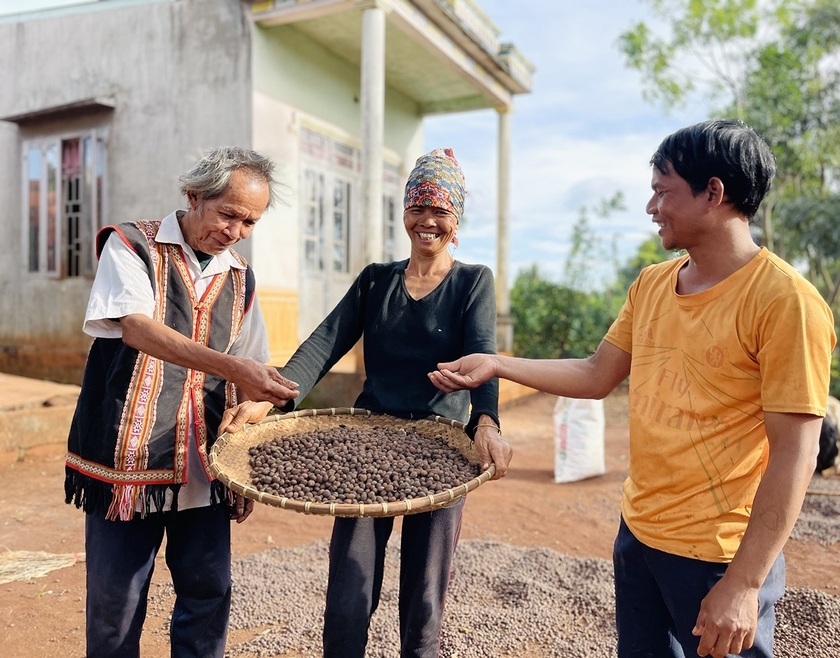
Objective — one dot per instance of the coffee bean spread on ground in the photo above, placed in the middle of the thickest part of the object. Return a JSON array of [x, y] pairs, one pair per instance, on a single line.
[[358, 465]]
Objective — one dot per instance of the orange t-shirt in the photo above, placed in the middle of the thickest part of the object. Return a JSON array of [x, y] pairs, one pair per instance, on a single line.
[[705, 367]]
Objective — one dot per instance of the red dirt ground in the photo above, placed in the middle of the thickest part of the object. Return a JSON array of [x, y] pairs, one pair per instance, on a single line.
[[45, 616]]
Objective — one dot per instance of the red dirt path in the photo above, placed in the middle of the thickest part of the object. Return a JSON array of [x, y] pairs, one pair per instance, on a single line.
[[45, 617]]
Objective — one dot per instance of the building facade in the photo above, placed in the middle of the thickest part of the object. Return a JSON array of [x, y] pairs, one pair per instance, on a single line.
[[106, 102]]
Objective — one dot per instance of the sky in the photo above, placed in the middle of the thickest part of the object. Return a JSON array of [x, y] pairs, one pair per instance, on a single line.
[[582, 134], [17, 6]]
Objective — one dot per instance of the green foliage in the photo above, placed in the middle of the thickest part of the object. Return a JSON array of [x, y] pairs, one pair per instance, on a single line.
[[587, 250], [776, 65], [706, 37], [809, 224], [834, 385], [552, 320], [568, 318], [650, 252]]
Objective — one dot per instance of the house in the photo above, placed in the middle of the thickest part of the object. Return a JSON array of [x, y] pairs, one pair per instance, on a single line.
[[105, 103]]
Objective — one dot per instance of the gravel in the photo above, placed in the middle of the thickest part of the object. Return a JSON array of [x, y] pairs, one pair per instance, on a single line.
[[503, 601], [819, 519]]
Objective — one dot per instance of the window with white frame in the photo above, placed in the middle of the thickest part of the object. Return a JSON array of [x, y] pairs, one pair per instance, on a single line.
[[389, 233], [328, 177], [63, 202], [313, 220], [326, 227], [391, 209], [341, 226]]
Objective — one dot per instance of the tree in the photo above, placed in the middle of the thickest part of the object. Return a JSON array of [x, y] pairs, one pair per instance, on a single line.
[[706, 46], [587, 250], [792, 98], [554, 321], [569, 318], [650, 252], [776, 65]]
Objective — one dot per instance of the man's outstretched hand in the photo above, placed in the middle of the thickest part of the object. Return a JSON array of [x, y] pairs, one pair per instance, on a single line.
[[467, 372]]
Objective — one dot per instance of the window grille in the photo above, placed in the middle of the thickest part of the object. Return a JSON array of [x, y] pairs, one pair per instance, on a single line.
[[64, 183]]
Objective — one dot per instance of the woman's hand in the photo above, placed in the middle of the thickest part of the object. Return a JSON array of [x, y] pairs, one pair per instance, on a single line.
[[492, 447], [234, 419]]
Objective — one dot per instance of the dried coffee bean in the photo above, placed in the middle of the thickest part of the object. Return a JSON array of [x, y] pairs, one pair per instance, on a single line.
[[350, 465]]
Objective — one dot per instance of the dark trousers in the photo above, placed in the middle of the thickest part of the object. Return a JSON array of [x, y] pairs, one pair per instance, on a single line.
[[658, 595], [357, 556], [120, 560]]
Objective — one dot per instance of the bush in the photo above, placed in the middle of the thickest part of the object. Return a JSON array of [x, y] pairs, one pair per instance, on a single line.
[[554, 321]]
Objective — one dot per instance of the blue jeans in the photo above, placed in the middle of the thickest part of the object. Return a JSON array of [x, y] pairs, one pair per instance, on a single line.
[[120, 560], [658, 595]]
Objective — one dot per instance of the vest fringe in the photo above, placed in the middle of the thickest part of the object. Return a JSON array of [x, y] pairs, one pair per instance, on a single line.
[[124, 502], [220, 494], [85, 492], [118, 502]]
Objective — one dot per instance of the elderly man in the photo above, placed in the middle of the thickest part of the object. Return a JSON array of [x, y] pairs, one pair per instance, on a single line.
[[179, 338]]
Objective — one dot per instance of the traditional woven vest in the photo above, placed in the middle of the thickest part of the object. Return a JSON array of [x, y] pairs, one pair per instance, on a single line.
[[129, 436]]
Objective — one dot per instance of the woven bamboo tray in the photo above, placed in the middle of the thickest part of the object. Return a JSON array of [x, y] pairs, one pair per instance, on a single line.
[[230, 461]]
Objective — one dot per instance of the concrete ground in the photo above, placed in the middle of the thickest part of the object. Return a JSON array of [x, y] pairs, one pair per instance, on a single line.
[[33, 412]]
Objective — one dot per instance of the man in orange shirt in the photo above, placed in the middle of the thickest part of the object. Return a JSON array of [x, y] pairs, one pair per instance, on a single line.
[[728, 351]]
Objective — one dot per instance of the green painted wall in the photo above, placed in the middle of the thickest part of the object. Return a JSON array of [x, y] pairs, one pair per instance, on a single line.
[[294, 69]]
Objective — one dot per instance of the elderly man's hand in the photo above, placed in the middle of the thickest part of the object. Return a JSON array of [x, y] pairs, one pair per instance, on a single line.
[[467, 372], [235, 418], [241, 509], [263, 383]]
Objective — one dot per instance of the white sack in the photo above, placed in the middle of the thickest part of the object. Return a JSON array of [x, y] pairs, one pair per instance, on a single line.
[[578, 439]]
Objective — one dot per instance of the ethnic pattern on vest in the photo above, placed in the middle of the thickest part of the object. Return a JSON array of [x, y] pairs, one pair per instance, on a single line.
[[151, 443]]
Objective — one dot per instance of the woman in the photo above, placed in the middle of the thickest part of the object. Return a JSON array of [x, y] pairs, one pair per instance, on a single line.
[[413, 315]]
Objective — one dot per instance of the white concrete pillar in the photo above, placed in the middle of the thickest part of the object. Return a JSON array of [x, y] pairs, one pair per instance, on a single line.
[[372, 98], [504, 323]]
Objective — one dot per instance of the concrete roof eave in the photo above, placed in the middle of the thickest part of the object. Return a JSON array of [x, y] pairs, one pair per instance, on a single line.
[[448, 22], [442, 71], [84, 106]]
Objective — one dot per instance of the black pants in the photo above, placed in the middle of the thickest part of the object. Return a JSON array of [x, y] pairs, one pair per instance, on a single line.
[[120, 560], [658, 595], [357, 556]]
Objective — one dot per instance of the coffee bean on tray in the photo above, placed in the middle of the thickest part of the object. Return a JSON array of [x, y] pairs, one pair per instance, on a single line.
[[358, 465]]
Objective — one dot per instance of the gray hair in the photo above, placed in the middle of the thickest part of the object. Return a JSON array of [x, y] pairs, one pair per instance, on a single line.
[[210, 176]]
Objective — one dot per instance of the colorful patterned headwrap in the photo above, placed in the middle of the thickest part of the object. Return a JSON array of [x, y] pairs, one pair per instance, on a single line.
[[436, 181]]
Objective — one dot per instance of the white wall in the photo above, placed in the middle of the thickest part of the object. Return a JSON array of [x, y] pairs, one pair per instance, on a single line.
[[276, 239], [179, 74]]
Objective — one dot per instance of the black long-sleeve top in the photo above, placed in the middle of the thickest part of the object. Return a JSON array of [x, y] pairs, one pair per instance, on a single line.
[[404, 339]]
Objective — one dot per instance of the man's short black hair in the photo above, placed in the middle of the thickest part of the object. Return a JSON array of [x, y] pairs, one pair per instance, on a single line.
[[727, 149]]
